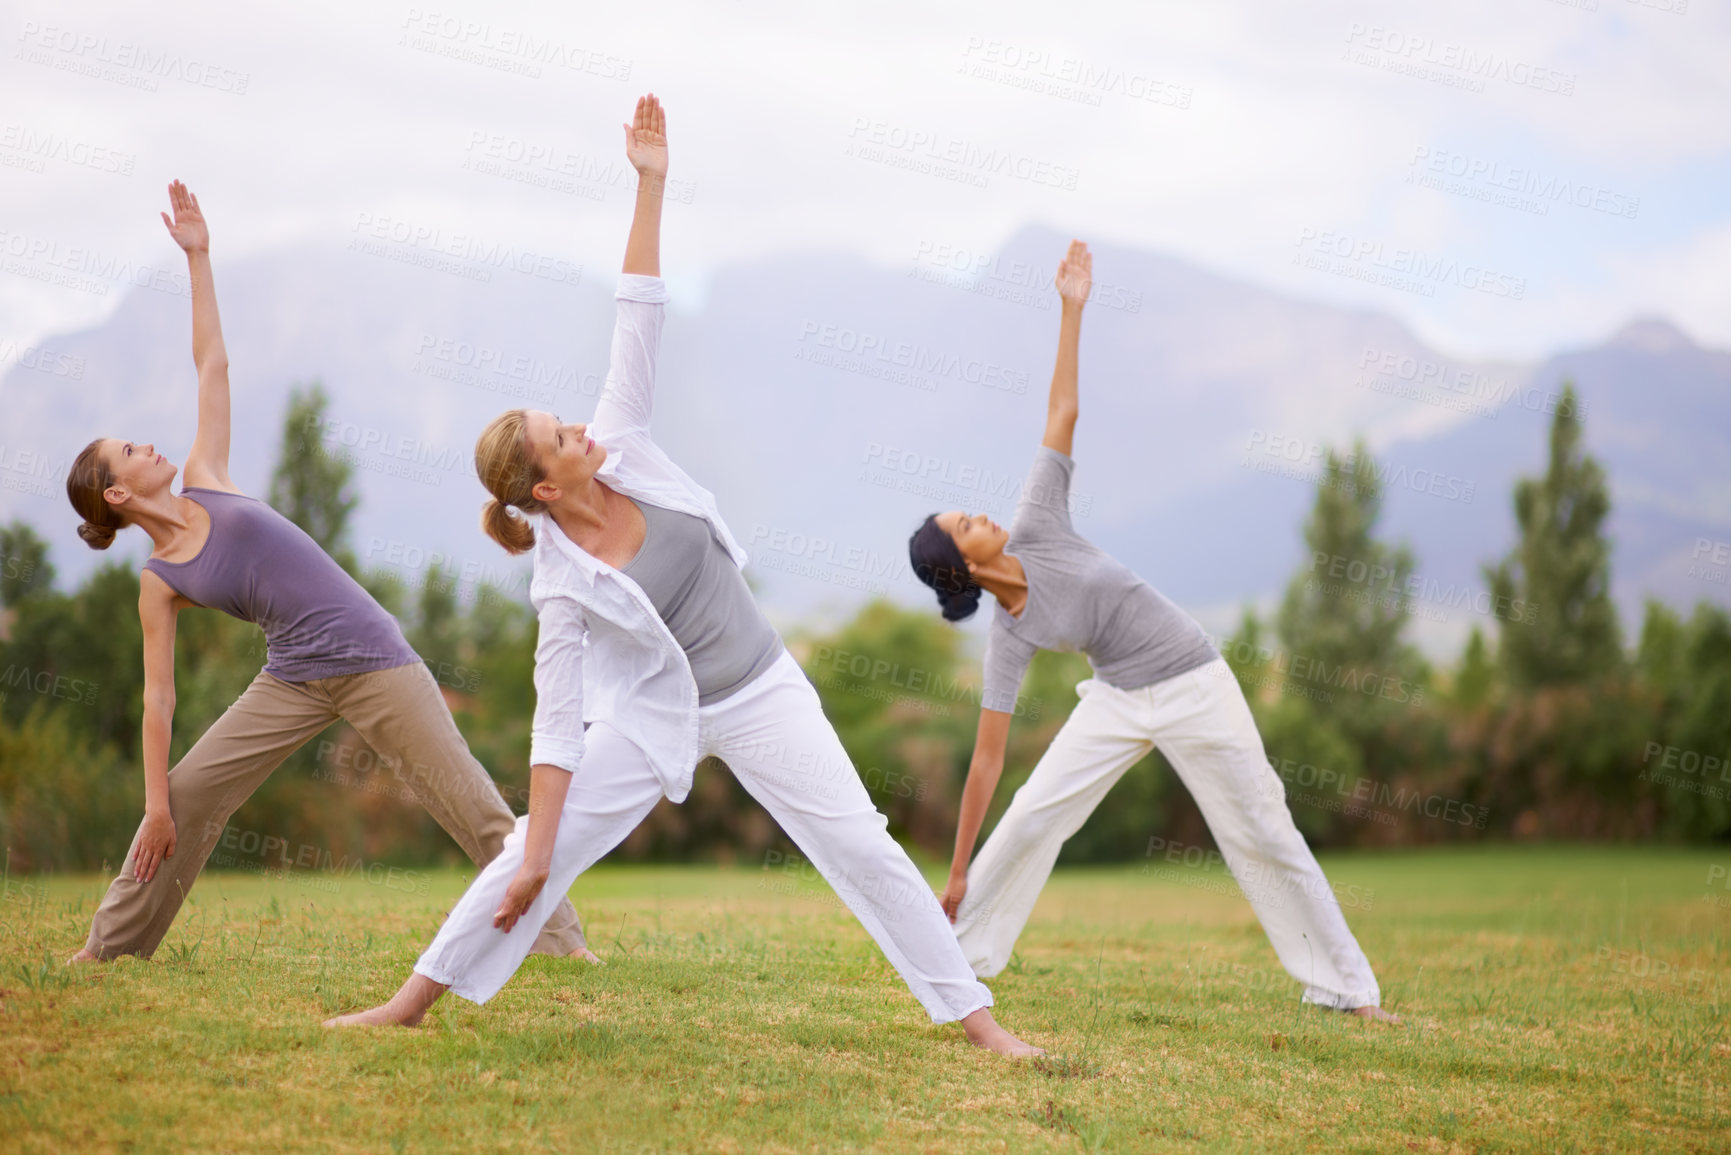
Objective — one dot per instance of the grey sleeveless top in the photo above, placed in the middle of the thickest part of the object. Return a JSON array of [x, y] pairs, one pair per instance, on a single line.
[[1081, 599], [260, 567], [703, 600]]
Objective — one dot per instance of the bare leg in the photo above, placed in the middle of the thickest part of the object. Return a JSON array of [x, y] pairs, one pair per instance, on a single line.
[[1376, 1015], [404, 1010], [984, 1031]]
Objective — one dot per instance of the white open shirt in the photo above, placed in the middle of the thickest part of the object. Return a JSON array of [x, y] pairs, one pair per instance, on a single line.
[[604, 654]]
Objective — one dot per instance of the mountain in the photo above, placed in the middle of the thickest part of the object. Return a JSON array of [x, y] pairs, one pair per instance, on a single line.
[[831, 403]]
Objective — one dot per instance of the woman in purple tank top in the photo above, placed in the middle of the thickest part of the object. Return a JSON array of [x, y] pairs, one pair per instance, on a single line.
[[333, 653]]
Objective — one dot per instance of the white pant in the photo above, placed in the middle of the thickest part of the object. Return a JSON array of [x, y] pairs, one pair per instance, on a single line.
[[774, 737], [1202, 724]]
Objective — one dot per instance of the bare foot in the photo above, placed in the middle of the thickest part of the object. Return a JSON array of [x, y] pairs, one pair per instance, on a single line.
[[1375, 1015], [405, 1009], [587, 955], [984, 1031], [83, 956]]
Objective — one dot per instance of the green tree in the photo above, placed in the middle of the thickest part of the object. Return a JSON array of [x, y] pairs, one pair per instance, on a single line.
[[1476, 678], [1560, 570], [24, 565], [1347, 605], [312, 487]]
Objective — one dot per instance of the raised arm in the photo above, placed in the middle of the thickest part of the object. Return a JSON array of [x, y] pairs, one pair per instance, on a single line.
[[207, 463], [646, 149], [157, 612], [984, 770], [1075, 280], [628, 400]]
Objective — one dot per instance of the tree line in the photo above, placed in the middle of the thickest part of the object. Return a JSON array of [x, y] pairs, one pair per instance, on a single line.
[[1549, 725]]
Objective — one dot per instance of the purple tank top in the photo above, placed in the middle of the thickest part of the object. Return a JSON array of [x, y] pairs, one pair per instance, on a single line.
[[260, 567]]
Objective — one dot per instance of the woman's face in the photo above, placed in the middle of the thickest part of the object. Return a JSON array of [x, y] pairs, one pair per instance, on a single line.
[[979, 538], [138, 469], [567, 455]]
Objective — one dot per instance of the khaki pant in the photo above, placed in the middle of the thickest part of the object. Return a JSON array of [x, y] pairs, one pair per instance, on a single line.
[[401, 715]]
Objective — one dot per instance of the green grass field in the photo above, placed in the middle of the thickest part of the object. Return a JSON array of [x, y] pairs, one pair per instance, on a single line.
[[1561, 999]]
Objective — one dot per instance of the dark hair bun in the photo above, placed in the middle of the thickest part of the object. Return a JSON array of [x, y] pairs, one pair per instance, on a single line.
[[959, 607], [938, 563], [96, 536]]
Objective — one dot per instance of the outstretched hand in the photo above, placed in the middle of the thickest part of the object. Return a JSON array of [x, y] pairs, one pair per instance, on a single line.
[[1075, 279], [646, 138], [187, 228]]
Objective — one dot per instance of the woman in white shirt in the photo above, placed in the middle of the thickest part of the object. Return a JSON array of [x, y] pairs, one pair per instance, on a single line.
[[1158, 681], [652, 655]]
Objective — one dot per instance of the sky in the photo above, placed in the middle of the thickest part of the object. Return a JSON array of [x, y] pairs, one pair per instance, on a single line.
[[1508, 178]]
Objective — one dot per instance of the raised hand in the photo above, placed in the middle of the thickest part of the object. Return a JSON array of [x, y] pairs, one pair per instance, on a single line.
[[646, 138], [1075, 279], [187, 228]]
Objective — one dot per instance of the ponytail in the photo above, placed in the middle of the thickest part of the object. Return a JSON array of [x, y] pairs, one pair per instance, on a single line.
[[503, 464]]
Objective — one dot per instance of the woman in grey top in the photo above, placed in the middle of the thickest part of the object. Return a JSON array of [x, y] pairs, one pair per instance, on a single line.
[[1158, 681], [651, 654], [333, 652]]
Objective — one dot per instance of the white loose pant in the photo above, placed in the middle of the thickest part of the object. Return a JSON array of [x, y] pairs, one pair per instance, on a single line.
[[774, 737], [1202, 724]]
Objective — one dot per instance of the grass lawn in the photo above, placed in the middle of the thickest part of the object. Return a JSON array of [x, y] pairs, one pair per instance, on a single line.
[[1557, 999]]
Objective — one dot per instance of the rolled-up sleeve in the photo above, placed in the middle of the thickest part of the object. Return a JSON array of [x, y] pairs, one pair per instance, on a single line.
[[556, 736], [628, 399]]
